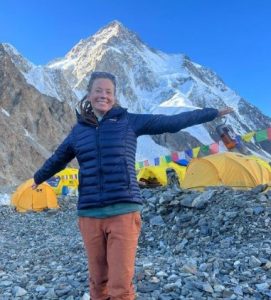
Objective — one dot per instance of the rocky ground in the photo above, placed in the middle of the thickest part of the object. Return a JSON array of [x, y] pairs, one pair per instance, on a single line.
[[210, 245]]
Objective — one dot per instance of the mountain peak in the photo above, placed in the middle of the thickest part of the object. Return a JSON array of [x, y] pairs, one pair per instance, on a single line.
[[113, 34], [114, 26], [115, 30]]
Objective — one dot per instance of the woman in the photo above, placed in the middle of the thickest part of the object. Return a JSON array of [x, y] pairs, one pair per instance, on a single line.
[[109, 204]]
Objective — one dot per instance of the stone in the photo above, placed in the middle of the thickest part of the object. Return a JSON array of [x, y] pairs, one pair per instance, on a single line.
[[157, 221], [17, 291], [262, 286]]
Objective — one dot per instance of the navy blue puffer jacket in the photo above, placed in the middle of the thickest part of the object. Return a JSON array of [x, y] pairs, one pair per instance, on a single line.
[[106, 153]]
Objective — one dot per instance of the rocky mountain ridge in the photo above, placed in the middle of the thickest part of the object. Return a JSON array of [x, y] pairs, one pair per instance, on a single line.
[[32, 124]]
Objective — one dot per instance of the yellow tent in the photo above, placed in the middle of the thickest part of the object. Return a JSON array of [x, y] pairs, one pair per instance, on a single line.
[[152, 173], [64, 181], [159, 173], [262, 162], [230, 169], [27, 199]]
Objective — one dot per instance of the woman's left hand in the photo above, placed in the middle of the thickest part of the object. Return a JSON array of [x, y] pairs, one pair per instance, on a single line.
[[224, 111]]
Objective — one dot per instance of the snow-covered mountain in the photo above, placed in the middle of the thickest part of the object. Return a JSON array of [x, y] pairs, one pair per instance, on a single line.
[[148, 81]]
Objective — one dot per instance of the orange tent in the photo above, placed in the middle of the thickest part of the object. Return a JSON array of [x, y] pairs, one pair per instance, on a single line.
[[27, 199]]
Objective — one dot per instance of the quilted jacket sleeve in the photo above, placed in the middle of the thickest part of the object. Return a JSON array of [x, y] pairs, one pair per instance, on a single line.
[[157, 124], [57, 162]]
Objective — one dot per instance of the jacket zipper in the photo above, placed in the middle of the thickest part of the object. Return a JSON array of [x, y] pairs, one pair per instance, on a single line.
[[99, 161]]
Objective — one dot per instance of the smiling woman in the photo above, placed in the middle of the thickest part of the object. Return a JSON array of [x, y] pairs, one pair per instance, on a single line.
[[104, 142], [102, 96]]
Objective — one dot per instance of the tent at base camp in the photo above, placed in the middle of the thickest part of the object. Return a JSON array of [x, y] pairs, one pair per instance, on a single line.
[[263, 163], [27, 199], [65, 181], [230, 169], [157, 175]]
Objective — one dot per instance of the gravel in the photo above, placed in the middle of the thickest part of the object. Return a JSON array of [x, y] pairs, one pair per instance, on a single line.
[[194, 245]]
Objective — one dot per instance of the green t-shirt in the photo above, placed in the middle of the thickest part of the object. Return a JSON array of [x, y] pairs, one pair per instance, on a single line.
[[110, 210]]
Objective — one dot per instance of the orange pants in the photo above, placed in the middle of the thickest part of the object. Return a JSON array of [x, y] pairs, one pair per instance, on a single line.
[[111, 249]]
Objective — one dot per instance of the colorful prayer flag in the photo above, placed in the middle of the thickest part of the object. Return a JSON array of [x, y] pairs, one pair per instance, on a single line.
[[146, 163], [156, 161], [261, 135], [174, 156], [196, 151], [204, 149], [163, 161], [214, 148], [248, 137], [181, 155], [189, 154], [168, 158]]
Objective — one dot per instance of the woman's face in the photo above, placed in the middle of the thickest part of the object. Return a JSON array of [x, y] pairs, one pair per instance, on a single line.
[[102, 96]]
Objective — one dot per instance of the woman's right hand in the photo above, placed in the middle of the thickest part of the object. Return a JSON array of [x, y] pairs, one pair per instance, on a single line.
[[34, 186]]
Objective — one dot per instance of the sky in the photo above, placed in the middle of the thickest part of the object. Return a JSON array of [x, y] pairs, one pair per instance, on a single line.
[[231, 37]]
